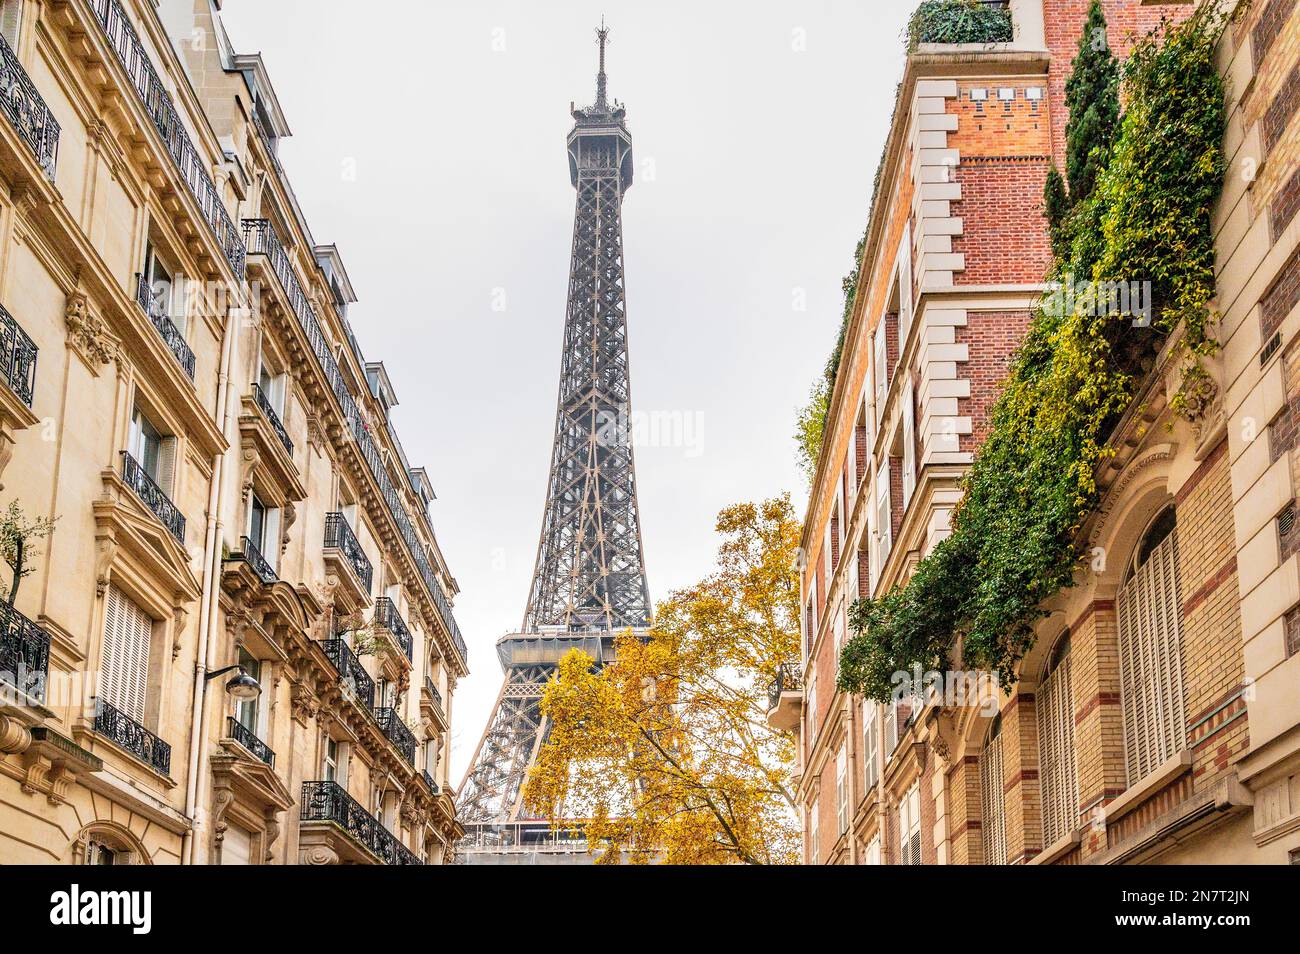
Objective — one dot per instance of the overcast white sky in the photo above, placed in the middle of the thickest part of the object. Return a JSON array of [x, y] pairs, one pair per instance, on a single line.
[[757, 127]]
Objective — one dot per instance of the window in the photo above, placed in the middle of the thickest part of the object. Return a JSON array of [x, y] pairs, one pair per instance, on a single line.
[[264, 530], [11, 21], [1058, 775], [842, 789], [903, 289], [881, 368], [870, 743], [124, 667], [909, 827], [248, 711], [909, 441], [1151, 652], [1006, 93], [897, 718], [992, 796], [237, 846], [872, 854], [332, 763], [154, 451], [979, 94], [1033, 93], [884, 529], [98, 853], [166, 289], [272, 386]]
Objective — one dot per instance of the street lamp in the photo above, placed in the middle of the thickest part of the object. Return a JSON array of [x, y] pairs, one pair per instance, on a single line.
[[241, 686]]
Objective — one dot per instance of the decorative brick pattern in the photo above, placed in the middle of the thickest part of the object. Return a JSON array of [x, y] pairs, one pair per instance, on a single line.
[[1281, 296], [1267, 28]]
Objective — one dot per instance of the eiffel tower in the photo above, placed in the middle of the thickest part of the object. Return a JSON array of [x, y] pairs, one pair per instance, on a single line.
[[589, 580]]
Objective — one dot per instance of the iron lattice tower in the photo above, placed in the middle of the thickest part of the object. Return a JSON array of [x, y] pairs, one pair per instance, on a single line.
[[589, 579]]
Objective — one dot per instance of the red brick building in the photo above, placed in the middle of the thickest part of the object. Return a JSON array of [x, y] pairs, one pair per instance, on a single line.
[[1152, 719]]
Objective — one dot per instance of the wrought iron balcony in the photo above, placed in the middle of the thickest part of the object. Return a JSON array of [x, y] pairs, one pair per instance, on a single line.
[[157, 102], [27, 111], [250, 554], [268, 410], [330, 802], [24, 653], [433, 692], [350, 670], [126, 733], [262, 240], [395, 730], [245, 737], [151, 496], [428, 780], [171, 335], [339, 536], [17, 358], [386, 615], [788, 679]]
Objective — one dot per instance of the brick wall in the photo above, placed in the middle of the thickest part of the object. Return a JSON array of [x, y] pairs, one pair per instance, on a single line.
[[1004, 235], [992, 337]]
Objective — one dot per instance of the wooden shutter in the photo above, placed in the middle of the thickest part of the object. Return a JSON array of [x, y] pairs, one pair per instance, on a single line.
[[124, 671], [842, 789], [884, 527], [881, 369], [909, 442], [166, 479], [909, 827], [1151, 661], [1057, 768], [993, 803], [904, 289], [891, 730], [870, 744]]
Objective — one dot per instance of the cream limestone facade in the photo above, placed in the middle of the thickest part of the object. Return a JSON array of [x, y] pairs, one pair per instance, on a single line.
[[1156, 719], [182, 394]]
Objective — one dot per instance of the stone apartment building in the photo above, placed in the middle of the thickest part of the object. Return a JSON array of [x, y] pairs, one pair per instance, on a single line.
[[1156, 718], [237, 646]]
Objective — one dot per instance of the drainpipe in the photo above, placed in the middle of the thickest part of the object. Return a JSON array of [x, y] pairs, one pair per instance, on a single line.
[[208, 600]]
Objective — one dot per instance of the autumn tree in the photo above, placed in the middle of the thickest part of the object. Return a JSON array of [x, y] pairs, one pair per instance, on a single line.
[[665, 753]]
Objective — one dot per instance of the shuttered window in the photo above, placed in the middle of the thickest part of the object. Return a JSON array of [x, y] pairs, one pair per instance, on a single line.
[[814, 835], [237, 846], [904, 288], [881, 351], [909, 827], [124, 670], [993, 805], [872, 856], [842, 789], [1058, 772], [1151, 653], [884, 529], [870, 744], [11, 18], [909, 441]]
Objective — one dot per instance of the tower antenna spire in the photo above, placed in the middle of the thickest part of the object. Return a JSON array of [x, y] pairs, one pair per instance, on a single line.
[[602, 37]]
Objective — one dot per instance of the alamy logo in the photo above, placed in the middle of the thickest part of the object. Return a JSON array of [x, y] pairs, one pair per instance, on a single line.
[[77, 907]]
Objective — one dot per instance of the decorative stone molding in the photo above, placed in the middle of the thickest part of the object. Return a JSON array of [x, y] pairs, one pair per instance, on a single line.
[[88, 334]]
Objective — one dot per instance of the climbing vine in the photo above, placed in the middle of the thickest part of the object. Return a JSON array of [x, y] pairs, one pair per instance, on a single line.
[[1014, 539], [958, 21]]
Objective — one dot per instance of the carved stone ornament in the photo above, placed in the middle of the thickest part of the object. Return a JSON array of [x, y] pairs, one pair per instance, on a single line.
[[88, 333]]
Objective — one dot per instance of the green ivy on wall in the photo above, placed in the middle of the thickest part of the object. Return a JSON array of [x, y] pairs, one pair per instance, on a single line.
[[958, 21], [1014, 534]]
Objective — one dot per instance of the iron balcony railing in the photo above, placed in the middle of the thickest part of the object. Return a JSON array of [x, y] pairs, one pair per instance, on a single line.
[[152, 496], [24, 653], [329, 801], [350, 670], [268, 410], [27, 112], [260, 237], [386, 615], [157, 102], [126, 733], [245, 737], [17, 358], [339, 536], [433, 692], [788, 679], [171, 335], [395, 730], [428, 780], [250, 554]]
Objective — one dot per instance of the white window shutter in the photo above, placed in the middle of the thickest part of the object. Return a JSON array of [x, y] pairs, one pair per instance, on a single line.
[[909, 442], [271, 539], [124, 677], [993, 803], [1057, 769], [904, 289], [1151, 661], [167, 467], [882, 370]]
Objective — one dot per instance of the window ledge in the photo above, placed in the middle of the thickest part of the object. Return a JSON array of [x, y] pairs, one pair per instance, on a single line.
[[1057, 849], [1135, 794]]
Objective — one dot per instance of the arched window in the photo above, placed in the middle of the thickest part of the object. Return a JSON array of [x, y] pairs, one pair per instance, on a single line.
[[1151, 652], [993, 805], [107, 843], [1058, 772]]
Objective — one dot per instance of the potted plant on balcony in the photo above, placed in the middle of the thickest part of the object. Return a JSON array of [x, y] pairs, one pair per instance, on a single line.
[[17, 538]]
